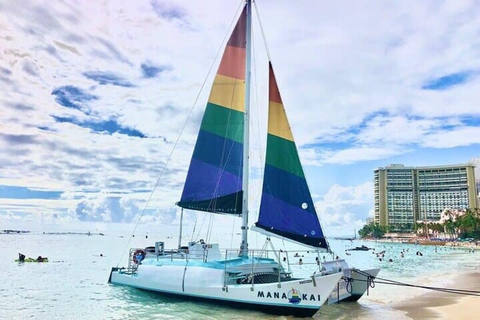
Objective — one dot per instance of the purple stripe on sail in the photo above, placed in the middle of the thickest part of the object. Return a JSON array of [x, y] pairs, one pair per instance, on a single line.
[[209, 182], [283, 216]]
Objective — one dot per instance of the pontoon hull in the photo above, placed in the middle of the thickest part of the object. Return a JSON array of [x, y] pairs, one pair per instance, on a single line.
[[352, 291], [300, 297]]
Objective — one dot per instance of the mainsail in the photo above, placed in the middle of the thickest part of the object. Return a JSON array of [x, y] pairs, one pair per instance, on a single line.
[[214, 179], [286, 208]]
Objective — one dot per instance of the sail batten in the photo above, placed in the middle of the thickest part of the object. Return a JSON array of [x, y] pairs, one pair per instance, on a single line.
[[214, 178], [287, 209]]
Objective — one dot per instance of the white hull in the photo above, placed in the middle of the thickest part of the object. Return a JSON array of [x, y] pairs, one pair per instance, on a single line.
[[350, 291], [302, 297]]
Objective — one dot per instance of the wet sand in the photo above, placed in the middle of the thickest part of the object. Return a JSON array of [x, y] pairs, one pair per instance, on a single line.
[[439, 305]]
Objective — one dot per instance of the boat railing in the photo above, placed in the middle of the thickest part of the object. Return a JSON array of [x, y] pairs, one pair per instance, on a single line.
[[133, 259], [281, 263], [284, 257], [267, 266]]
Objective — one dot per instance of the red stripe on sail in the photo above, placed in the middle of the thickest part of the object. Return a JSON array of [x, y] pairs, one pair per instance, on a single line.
[[233, 63], [238, 37], [273, 93]]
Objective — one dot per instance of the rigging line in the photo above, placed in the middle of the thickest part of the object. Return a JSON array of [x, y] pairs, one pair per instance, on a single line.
[[445, 290], [201, 226], [399, 283], [221, 170], [226, 158], [181, 132], [261, 30], [193, 232], [213, 201], [233, 232], [306, 179], [269, 58], [256, 106], [209, 227]]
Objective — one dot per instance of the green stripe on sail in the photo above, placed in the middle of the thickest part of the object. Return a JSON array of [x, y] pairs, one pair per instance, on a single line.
[[223, 122], [282, 154]]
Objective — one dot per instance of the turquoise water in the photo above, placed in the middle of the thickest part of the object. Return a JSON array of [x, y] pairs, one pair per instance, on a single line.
[[73, 285]]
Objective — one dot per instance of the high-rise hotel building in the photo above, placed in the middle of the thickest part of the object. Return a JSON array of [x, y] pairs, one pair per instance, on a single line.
[[405, 195]]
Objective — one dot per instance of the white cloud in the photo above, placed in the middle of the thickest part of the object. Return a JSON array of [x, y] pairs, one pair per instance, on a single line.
[[462, 136], [334, 78], [351, 155], [344, 208]]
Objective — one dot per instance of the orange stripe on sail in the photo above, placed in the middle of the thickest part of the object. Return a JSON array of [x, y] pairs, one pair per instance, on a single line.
[[233, 63]]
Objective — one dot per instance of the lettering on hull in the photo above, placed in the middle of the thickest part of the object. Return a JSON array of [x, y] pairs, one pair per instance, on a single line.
[[293, 296]]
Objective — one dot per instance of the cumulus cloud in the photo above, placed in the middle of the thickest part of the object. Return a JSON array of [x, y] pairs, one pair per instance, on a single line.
[[109, 209], [81, 84], [344, 208]]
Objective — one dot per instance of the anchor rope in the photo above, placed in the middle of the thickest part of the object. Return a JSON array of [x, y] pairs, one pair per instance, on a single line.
[[371, 281]]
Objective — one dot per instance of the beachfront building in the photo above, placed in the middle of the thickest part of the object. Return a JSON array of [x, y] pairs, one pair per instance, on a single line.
[[405, 195]]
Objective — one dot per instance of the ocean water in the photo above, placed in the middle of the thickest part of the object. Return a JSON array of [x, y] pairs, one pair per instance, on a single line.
[[73, 285]]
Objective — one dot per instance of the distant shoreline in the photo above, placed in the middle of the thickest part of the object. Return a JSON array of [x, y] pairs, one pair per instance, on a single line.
[[52, 233], [425, 242]]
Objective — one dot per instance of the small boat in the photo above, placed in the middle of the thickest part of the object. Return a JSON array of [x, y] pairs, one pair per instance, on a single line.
[[361, 248], [32, 260]]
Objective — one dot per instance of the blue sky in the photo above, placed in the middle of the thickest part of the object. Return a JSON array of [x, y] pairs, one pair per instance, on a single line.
[[93, 98]]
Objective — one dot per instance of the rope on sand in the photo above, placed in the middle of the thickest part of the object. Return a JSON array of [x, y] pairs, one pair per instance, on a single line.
[[371, 281]]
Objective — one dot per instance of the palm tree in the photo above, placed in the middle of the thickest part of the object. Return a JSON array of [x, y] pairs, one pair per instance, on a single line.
[[469, 223], [450, 227]]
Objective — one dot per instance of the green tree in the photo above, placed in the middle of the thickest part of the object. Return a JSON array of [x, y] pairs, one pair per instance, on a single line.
[[373, 230], [378, 231], [468, 224]]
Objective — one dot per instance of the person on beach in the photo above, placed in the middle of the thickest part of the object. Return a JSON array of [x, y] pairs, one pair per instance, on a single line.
[[21, 257]]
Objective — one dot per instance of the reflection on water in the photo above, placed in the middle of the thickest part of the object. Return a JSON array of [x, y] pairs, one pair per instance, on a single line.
[[74, 285]]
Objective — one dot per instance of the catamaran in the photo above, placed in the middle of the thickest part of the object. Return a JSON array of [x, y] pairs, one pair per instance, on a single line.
[[217, 182]]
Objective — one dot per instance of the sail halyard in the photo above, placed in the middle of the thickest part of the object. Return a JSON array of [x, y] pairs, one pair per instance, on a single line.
[[286, 208], [214, 180]]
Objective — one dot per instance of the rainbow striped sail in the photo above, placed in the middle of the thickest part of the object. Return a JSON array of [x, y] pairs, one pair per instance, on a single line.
[[214, 179], [286, 208]]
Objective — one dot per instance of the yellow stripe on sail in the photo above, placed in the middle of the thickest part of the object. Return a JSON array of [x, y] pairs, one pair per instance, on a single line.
[[277, 121], [228, 92]]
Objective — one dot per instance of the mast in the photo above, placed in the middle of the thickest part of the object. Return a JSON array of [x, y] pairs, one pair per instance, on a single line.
[[246, 136], [180, 236]]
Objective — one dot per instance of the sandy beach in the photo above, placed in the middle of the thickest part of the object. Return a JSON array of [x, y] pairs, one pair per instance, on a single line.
[[439, 305]]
